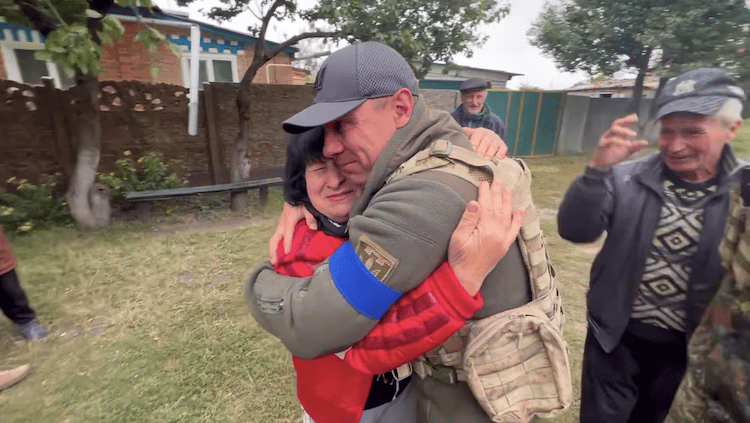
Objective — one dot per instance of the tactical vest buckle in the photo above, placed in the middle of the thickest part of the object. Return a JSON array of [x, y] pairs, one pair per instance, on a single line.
[[441, 148], [444, 374]]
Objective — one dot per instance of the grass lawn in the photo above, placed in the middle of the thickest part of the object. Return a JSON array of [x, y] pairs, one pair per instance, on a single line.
[[148, 322]]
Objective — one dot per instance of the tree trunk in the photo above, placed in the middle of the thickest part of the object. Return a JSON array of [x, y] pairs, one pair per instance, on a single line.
[[635, 102], [641, 63], [89, 203], [239, 165]]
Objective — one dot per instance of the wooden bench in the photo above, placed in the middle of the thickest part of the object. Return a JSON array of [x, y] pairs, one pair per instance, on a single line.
[[143, 199]]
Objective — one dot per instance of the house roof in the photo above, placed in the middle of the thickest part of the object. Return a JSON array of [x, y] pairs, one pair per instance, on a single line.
[[461, 73], [232, 41], [649, 82], [240, 38]]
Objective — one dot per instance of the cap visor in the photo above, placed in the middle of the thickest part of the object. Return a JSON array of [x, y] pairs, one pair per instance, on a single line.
[[319, 114], [700, 105]]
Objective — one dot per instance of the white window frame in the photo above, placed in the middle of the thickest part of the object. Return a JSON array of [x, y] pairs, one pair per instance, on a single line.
[[11, 63], [208, 57]]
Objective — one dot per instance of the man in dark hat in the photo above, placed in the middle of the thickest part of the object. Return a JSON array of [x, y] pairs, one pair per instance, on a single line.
[[473, 112], [659, 266]]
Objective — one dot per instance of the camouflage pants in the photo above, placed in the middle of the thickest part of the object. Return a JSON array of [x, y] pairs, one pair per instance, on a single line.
[[716, 387]]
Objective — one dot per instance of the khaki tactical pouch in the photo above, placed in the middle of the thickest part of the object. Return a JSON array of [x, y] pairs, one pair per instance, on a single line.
[[515, 362], [517, 365]]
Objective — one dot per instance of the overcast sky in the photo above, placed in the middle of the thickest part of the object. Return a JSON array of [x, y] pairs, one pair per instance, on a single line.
[[507, 47]]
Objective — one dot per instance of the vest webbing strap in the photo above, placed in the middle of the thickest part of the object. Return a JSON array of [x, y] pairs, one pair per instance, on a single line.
[[445, 157]]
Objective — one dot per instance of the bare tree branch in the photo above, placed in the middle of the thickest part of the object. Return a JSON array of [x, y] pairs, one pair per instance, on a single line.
[[297, 38], [42, 21], [261, 52]]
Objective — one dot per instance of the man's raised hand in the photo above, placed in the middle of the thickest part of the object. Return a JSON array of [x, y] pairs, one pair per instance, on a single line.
[[617, 143]]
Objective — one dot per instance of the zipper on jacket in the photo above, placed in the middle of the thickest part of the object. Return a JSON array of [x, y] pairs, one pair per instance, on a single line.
[[270, 306]]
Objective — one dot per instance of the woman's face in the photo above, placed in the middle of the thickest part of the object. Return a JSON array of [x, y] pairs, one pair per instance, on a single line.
[[330, 191]]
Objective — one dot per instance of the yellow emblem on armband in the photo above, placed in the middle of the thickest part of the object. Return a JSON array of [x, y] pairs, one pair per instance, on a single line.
[[378, 261]]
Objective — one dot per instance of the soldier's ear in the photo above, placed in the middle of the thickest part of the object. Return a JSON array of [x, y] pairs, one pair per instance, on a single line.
[[403, 102]]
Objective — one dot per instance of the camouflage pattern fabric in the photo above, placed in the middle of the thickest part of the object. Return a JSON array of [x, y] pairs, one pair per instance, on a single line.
[[716, 387]]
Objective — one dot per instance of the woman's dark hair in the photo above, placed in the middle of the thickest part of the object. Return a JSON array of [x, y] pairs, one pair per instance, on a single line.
[[301, 149]]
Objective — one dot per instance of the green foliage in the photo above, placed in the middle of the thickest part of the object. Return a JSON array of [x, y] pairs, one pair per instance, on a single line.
[[605, 36], [32, 206], [73, 48], [423, 31], [149, 172], [75, 31]]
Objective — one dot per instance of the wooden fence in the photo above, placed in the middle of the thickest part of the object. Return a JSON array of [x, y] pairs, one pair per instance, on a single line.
[[36, 128]]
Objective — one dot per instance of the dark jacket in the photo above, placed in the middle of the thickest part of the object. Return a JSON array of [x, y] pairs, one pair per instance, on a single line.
[[626, 202], [470, 120]]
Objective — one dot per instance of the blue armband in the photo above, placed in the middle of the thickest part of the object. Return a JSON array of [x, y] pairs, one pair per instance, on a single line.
[[361, 289]]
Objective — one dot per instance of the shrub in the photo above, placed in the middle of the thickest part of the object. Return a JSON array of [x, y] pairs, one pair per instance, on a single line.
[[147, 173], [32, 205]]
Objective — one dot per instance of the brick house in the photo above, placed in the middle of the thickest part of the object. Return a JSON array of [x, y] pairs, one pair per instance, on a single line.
[[224, 57]]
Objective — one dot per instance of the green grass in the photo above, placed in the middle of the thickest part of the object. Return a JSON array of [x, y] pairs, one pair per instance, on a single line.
[[741, 141]]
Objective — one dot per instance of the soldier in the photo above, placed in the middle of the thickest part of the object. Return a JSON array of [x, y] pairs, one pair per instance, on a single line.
[[378, 130], [716, 387]]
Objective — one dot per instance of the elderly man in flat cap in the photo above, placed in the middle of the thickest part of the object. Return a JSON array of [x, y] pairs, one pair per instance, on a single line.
[[473, 112], [659, 266]]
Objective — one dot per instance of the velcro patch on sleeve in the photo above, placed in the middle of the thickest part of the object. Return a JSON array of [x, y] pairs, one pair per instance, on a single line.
[[376, 259]]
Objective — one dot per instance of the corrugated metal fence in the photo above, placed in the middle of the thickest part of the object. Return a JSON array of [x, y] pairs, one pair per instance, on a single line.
[[532, 119]]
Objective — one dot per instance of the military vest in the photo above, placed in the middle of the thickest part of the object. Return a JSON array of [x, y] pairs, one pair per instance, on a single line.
[[515, 362]]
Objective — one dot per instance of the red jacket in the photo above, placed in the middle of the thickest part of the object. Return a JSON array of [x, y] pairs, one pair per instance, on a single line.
[[7, 259], [334, 390]]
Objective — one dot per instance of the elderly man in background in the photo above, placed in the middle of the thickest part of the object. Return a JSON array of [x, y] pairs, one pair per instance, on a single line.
[[659, 266], [473, 112]]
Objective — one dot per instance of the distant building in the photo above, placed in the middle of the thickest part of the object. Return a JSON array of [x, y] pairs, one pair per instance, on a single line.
[[452, 80], [225, 55], [615, 88]]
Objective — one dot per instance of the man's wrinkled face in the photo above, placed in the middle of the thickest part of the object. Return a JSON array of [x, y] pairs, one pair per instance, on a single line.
[[691, 144], [474, 100], [330, 191], [354, 141]]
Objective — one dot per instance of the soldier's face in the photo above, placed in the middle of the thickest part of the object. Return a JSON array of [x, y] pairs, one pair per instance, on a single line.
[[354, 141], [691, 144], [474, 100], [330, 191]]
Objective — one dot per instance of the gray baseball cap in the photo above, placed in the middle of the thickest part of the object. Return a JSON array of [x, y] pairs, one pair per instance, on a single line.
[[701, 91], [473, 84], [348, 78]]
